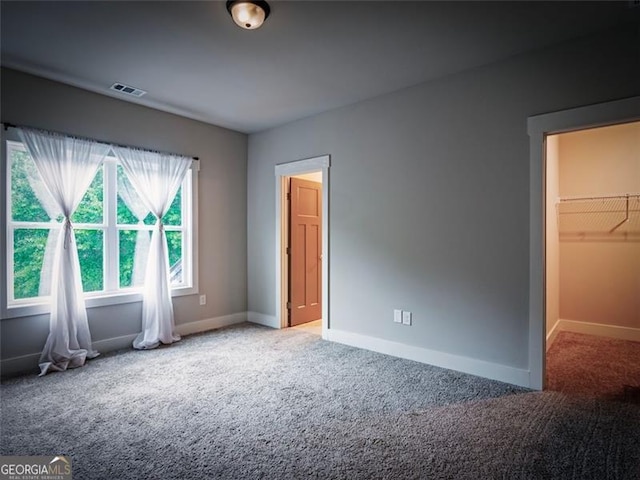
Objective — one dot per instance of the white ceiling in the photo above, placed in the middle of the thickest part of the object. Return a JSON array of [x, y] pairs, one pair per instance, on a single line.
[[309, 56]]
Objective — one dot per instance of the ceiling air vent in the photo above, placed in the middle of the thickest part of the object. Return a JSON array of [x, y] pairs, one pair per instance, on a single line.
[[122, 88]]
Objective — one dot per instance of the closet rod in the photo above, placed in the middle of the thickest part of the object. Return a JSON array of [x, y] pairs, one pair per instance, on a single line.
[[602, 197]]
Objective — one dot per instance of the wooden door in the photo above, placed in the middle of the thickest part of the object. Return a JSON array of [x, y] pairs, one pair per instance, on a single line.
[[305, 251]]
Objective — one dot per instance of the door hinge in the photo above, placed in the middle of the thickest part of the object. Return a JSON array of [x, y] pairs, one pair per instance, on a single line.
[[288, 251], [288, 304], [288, 196]]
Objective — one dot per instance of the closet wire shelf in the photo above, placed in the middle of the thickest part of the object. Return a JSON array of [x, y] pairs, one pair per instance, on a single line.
[[599, 218]]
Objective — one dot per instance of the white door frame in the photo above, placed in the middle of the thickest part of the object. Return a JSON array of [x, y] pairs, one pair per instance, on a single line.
[[539, 126], [282, 171]]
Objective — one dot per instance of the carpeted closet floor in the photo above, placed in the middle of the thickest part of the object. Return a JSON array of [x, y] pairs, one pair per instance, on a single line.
[[600, 367]]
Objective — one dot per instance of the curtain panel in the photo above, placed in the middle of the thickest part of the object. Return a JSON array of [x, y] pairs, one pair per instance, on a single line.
[[66, 167], [137, 207], [156, 177]]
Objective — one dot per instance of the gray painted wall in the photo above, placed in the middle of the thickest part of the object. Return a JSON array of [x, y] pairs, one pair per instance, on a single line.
[[33, 101], [429, 197]]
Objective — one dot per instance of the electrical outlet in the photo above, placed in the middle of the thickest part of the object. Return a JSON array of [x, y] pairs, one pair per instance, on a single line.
[[203, 299], [406, 318], [397, 316]]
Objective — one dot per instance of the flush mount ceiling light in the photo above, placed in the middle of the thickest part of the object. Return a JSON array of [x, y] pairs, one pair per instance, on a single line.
[[248, 14]]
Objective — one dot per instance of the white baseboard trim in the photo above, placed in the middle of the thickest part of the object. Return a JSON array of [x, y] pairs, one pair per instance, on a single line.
[[599, 329], [116, 343], [211, 323], [262, 319], [553, 333], [472, 366], [28, 363], [19, 365]]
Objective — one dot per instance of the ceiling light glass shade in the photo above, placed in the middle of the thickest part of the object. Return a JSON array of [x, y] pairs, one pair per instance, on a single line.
[[248, 14]]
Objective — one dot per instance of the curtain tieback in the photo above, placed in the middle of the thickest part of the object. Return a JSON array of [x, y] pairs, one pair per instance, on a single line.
[[160, 225], [67, 231]]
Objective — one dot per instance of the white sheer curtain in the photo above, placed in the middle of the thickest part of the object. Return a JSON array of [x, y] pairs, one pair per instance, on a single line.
[[53, 212], [67, 167], [156, 178], [135, 204]]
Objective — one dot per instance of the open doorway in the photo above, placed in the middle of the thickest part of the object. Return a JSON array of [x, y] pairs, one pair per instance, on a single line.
[[592, 261], [302, 244], [539, 127]]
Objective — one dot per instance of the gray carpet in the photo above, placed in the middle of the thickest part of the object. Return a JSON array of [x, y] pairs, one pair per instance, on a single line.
[[247, 402], [595, 366]]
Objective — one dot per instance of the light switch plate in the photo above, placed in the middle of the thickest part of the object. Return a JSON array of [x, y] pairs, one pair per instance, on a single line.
[[397, 316], [406, 318]]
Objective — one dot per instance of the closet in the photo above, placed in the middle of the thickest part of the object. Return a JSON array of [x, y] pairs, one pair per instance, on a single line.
[[593, 234]]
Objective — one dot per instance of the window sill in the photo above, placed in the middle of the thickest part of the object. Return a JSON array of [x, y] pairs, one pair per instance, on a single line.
[[91, 301]]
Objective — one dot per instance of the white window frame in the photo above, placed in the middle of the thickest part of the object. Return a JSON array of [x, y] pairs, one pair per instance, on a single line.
[[112, 294]]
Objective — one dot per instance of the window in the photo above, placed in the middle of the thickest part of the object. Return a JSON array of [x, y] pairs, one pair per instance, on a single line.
[[112, 229]]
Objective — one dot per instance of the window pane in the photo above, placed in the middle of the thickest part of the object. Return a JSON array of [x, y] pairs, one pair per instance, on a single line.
[[150, 219], [174, 242], [90, 252], [127, 241], [90, 208], [174, 215], [130, 206], [28, 254], [125, 217], [25, 206], [134, 249]]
